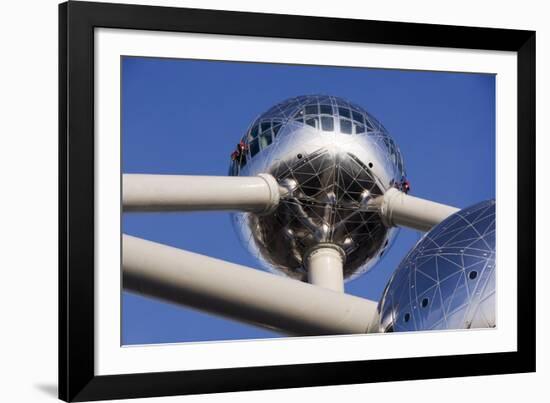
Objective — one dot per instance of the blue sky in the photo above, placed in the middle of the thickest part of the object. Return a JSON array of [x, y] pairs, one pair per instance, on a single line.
[[185, 117]]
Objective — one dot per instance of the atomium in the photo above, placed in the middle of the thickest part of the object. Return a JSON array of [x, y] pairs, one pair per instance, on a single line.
[[447, 281], [330, 157]]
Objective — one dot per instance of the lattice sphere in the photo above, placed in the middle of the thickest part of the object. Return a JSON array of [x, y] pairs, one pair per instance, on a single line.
[[332, 157], [447, 281]]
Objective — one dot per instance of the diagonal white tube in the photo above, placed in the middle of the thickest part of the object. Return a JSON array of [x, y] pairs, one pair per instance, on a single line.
[[399, 209], [259, 194], [241, 293]]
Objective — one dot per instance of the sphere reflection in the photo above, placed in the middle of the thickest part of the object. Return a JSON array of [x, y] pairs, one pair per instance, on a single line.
[[330, 157], [447, 281]]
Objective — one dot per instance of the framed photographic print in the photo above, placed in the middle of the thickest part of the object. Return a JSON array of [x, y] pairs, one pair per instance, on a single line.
[[259, 201]]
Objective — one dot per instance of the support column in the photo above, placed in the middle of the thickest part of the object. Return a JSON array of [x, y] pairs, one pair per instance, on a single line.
[[325, 266]]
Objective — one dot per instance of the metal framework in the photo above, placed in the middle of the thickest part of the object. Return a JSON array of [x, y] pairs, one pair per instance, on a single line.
[[452, 274], [332, 157], [243, 293]]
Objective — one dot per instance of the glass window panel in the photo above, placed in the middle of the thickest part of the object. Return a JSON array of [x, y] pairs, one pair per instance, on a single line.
[[254, 132], [254, 147], [276, 129], [370, 127], [400, 163], [357, 116], [265, 126], [327, 123], [392, 145], [312, 109], [265, 140], [359, 129], [345, 126], [344, 112], [326, 109], [268, 138], [313, 122]]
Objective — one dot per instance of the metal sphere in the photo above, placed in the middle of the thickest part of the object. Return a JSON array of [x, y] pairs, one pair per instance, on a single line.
[[330, 157], [447, 281]]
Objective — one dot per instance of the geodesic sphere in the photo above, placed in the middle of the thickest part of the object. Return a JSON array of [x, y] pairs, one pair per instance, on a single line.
[[447, 281], [332, 157]]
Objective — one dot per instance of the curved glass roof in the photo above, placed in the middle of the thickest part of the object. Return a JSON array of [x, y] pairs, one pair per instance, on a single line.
[[325, 113]]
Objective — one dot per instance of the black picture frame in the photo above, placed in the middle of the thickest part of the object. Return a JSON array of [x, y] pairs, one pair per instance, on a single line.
[[77, 21]]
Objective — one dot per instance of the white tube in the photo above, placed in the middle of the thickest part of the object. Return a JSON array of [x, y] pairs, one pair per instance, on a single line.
[[241, 293], [399, 209], [325, 267], [259, 194]]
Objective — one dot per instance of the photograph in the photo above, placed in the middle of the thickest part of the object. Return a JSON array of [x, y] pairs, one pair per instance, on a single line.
[[254, 200], [269, 200]]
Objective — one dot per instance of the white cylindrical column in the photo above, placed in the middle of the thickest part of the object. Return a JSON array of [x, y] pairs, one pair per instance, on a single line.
[[241, 293], [325, 267], [399, 209], [259, 194]]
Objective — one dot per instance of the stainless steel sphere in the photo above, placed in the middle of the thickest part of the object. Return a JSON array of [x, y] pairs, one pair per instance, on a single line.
[[331, 157], [447, 281]]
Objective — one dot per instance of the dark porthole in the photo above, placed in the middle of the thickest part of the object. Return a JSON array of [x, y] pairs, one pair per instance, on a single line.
[[407, 317], [472, 275], [424, 302], [370, 165], [299, 156]]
